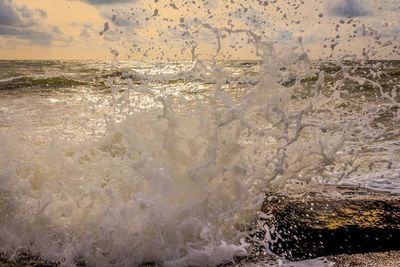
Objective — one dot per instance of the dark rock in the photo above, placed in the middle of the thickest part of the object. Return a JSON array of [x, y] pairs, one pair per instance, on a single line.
[[26, 259], [381, 259], [315, 225]]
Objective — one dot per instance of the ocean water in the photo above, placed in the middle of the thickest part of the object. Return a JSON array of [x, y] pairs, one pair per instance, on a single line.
[[121, 163]]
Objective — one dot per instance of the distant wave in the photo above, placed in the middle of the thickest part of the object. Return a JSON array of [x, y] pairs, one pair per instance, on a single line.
[[42, 82]]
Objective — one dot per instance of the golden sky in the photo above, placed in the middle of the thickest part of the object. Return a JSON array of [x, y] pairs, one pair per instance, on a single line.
[[166, 29]]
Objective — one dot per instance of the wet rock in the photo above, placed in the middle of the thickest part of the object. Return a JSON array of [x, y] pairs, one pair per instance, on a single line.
[[315, 225], [24, 259], [382, 259]]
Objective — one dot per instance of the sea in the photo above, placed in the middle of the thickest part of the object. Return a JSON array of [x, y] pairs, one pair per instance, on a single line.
[[123, 163]]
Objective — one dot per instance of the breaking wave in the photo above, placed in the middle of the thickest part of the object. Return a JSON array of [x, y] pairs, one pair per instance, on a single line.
[[148, 173]]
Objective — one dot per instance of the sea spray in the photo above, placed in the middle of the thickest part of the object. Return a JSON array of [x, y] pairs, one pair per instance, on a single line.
[[172, 164], [175, 181]]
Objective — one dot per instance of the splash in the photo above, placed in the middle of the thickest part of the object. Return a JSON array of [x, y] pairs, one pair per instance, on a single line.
[[173, 169]]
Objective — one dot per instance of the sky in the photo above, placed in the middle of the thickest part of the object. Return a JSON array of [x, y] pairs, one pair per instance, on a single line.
[[168, 30]]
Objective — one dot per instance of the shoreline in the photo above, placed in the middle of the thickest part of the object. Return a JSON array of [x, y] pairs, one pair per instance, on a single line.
[[359, 207]]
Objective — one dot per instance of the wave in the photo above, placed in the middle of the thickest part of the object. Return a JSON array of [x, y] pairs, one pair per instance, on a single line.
[[36, 82]]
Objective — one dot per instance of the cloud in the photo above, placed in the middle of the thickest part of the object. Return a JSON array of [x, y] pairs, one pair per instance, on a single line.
[[106, 2], [86, 31], [13, 15], [347, 8], [25, 23]]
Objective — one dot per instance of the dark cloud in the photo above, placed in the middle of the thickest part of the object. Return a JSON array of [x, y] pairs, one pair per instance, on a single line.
[[25, 23], [8, 13], [347, 8], [33, 36], [107, 2]]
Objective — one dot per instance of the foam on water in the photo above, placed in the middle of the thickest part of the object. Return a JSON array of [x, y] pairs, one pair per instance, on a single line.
[[149, 174]]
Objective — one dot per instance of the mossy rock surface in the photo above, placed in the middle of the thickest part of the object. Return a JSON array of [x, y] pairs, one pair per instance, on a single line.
[[314, 225]]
